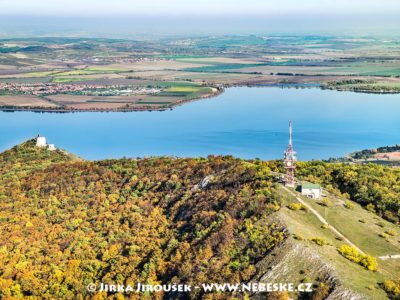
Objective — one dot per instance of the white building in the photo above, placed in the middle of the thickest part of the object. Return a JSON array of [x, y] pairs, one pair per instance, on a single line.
[[41, 141], [313, 191], [51, 147]]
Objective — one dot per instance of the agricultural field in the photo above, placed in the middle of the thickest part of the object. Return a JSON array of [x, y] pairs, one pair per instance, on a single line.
[[208, 62], [388, 156], [25, 101]]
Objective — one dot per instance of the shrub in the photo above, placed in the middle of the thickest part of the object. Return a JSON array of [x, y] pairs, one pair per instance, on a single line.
[[350, 253], [346, 195], [348, 204], [325, 202], [362, 221], [321, 292], [381, 224], [353, 255], [298, 237], [369, 262], [370, 207], [383, 235], [391, 232], [318, 241], [325, 226], [296, 206], [392, 288], [391, 217]]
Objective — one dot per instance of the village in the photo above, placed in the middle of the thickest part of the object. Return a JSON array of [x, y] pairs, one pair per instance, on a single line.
[[38, 89]]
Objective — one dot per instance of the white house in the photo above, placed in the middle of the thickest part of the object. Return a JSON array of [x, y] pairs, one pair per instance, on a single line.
[[51, 147], [41, 141], [313, 191]]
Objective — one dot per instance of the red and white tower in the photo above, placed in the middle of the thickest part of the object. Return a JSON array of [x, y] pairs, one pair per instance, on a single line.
[[289, 161]]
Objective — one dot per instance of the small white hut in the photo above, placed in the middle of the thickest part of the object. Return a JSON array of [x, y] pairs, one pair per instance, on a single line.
[[313, 191]]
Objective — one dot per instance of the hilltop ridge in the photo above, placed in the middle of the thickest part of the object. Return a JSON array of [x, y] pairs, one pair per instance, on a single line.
[[66, 223]]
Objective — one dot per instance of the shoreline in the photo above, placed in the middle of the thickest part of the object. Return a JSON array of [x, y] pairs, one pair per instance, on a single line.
[[220, 90]]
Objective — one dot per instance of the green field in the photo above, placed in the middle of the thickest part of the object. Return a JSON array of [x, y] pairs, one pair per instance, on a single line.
[[188, 92]]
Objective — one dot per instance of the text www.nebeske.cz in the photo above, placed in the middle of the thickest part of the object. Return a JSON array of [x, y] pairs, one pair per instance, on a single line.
[[206, 287]]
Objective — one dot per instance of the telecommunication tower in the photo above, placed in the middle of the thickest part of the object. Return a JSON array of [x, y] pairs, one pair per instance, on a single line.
[[289, 161]]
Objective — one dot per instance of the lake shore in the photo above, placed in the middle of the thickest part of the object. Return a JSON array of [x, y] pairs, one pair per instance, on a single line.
[[218, 90]]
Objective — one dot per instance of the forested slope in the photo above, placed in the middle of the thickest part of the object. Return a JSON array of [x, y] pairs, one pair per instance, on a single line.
[[66, 223]]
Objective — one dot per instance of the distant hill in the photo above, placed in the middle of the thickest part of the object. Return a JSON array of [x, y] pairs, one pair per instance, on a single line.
[[66, 223], [370, 153], [387, 155]]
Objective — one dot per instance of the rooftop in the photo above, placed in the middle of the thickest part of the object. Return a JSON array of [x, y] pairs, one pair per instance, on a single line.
[[311, 186]]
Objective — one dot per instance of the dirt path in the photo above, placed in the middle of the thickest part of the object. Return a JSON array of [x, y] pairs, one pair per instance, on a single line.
[[323, 220], [397, 256]]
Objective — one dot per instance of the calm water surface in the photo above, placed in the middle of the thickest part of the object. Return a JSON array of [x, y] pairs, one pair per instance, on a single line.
[[244, 122]]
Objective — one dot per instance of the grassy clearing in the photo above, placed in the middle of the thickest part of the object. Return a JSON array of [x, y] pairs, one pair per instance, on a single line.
[[305, 226], [361, 227]]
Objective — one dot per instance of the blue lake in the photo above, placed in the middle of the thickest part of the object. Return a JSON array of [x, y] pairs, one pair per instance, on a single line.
[[244, 122]]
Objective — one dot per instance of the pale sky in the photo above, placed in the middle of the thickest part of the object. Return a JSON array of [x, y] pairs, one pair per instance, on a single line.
[[128, 18], [197, 7]]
